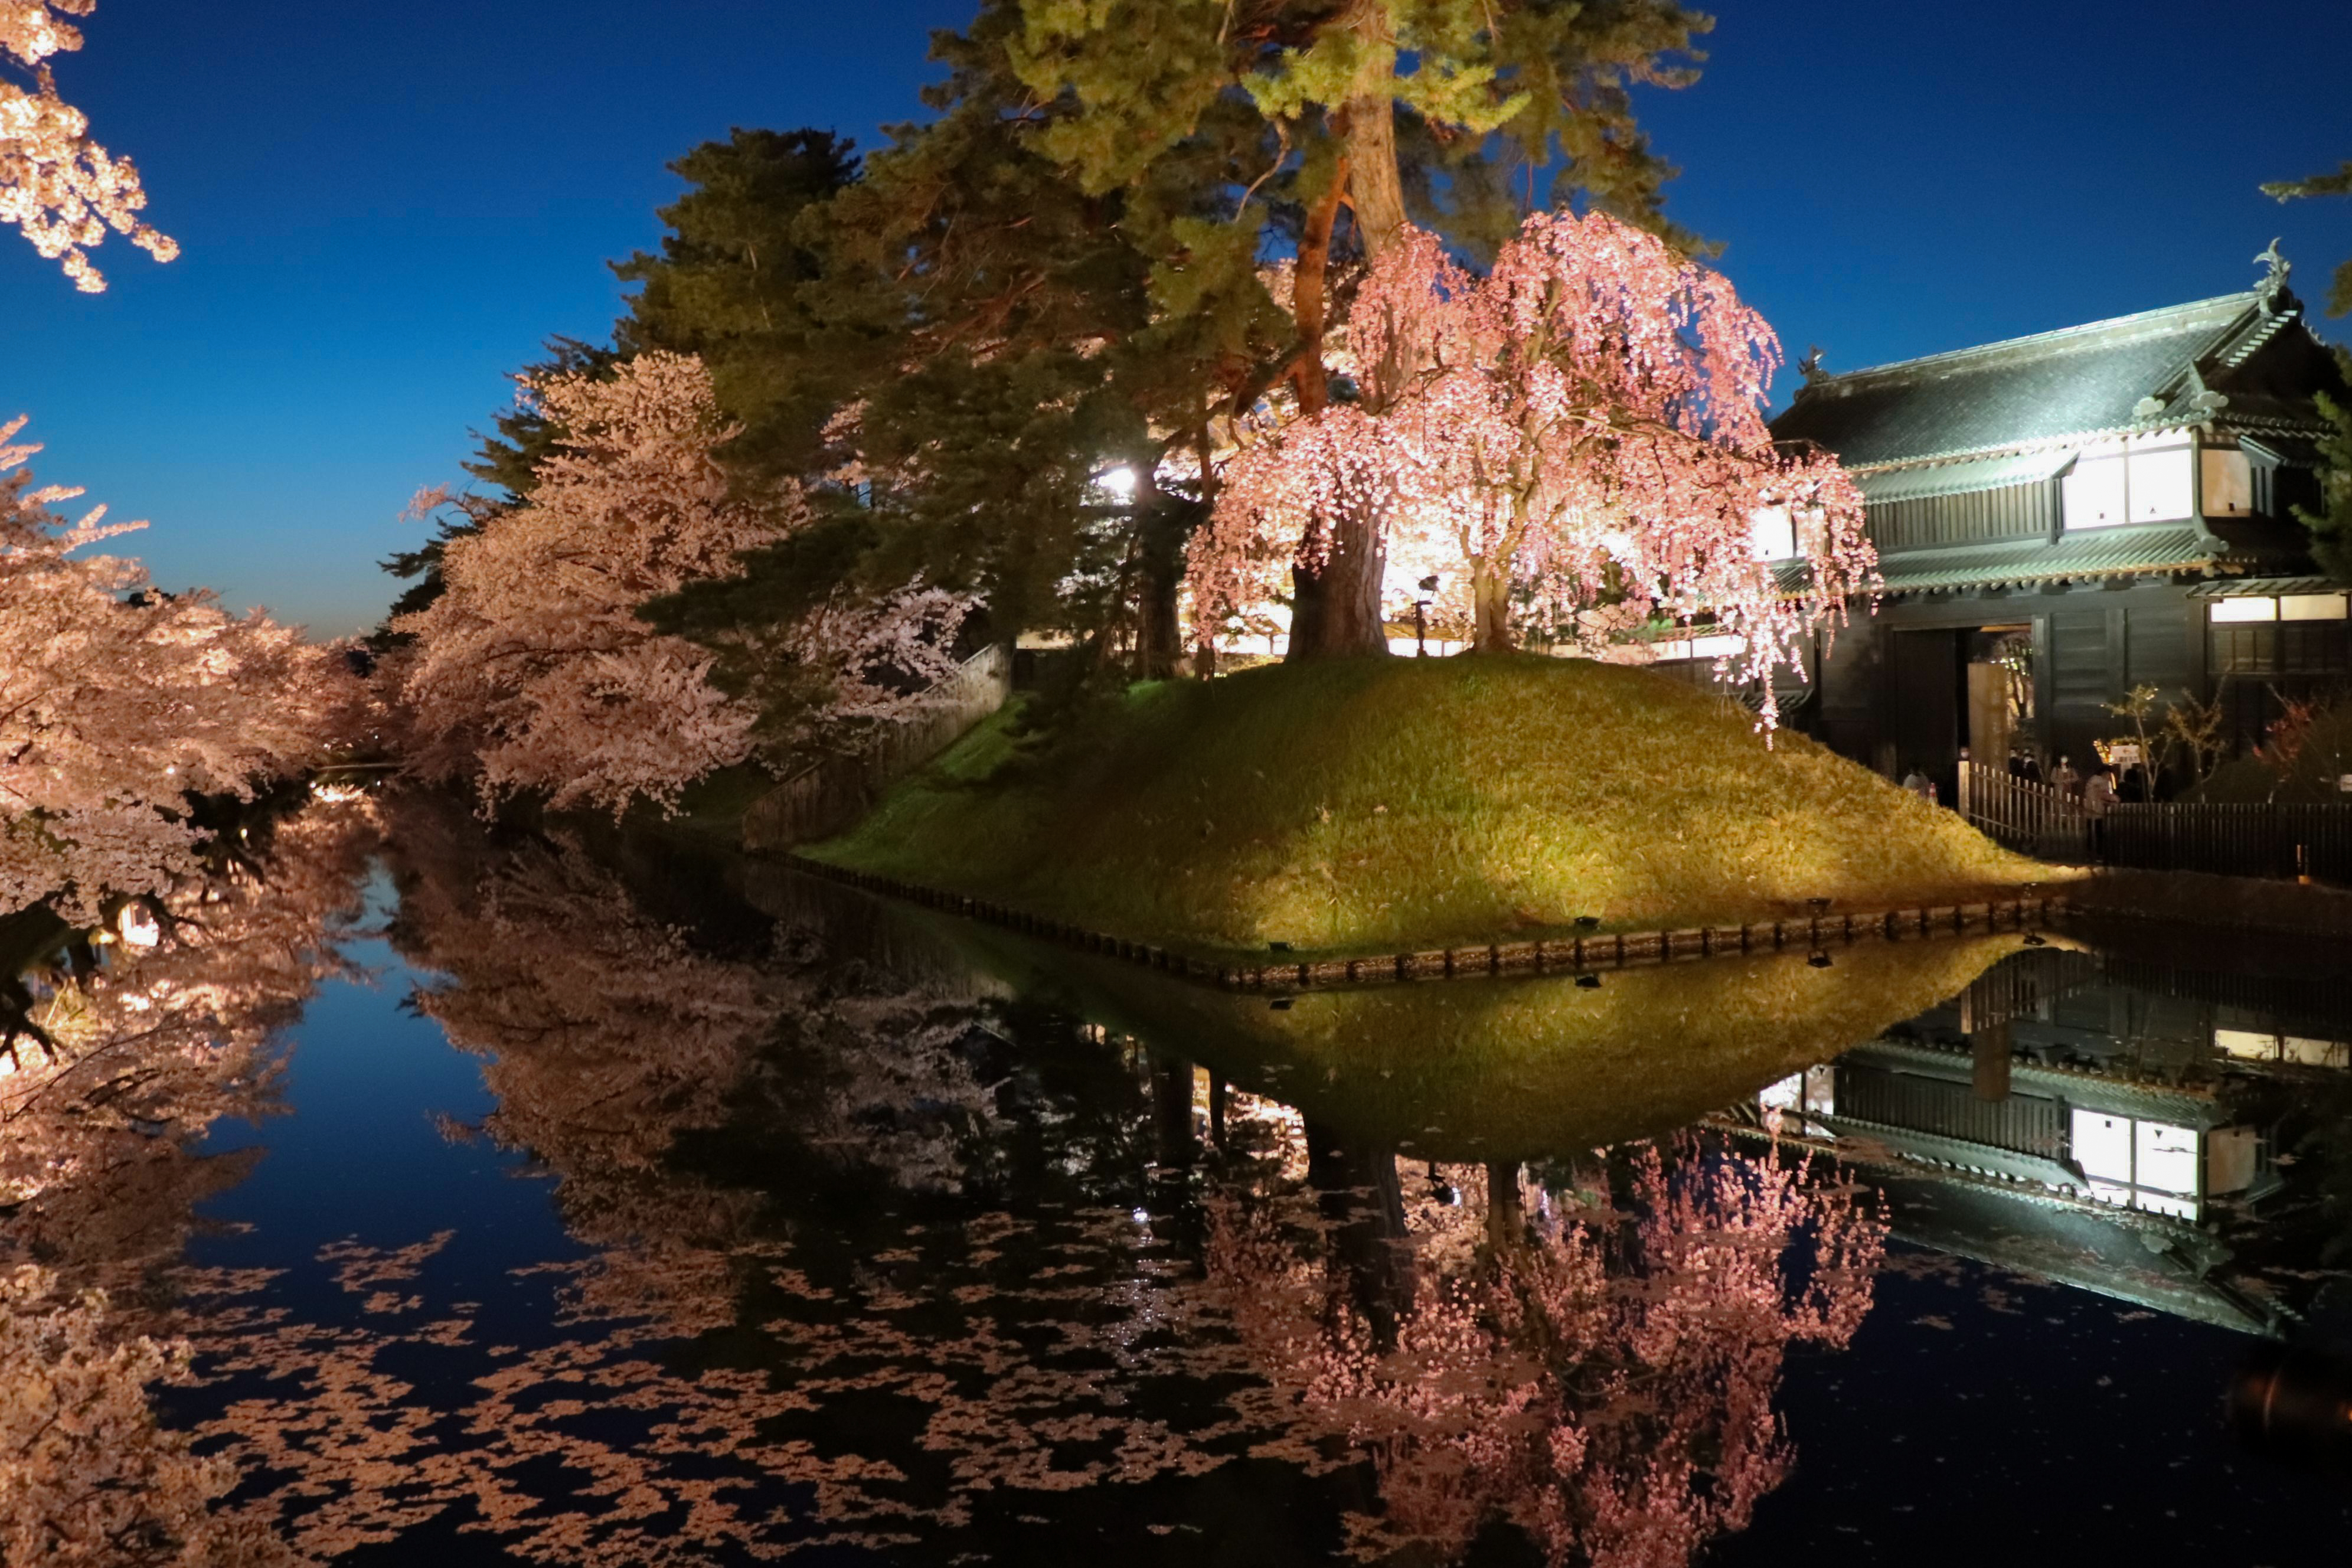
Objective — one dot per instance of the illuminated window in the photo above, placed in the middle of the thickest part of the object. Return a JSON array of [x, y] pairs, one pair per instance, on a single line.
[[2229, 482], [2312, 607], [1775, 533], [2247, 609], [2144, 479], [2137, 1164]]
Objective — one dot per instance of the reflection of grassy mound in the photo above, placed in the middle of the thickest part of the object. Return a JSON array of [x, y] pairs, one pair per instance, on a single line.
[[1382, 803], [1508, 1068]]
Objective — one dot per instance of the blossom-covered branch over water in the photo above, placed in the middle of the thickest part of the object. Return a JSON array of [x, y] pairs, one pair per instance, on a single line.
[[119, 701], [532, 671]]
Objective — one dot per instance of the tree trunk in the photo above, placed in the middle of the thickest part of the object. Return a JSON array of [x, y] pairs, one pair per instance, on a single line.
[[1160, 527], [1336, 608], [1490, 605]]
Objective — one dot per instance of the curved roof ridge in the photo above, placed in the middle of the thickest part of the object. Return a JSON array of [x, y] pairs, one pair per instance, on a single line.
[[2055, 338]]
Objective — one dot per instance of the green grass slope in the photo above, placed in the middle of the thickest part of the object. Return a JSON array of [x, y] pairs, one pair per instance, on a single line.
[[1378, 805]]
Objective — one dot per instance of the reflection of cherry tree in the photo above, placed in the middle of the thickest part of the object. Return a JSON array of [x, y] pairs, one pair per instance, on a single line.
[[1603, 1377], [116, 1074]]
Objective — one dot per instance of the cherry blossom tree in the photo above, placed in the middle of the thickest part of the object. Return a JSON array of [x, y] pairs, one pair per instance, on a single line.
[[1574, 439], [117, 700], [533, 671], [64, 190]]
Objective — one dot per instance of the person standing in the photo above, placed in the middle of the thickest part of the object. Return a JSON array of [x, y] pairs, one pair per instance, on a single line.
[[2064, 779], [2098, 800], [1918, 784]]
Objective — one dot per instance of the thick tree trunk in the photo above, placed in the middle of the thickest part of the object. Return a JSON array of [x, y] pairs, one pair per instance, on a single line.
[[1159, 637], [1490, 605], [1336, 608], [1159, 573]]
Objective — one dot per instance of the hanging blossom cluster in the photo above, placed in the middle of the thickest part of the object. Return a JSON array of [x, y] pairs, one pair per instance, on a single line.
[[64, 190], [118, 701], [1603, 1377], [531, 671], [1574, 442]]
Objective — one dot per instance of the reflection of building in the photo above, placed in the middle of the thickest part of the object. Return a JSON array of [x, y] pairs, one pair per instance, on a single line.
[[2078, 512], [2118, 1138]]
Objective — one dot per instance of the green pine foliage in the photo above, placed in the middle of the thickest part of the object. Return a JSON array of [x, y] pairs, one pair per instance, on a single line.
[[2331, 522], [1372, 806], [730, 285]]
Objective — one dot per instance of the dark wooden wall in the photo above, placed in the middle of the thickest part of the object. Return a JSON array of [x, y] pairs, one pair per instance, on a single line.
[[2091, 646], [2017, 512]]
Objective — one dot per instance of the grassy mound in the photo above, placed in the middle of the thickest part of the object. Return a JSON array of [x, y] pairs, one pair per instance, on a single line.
[[1378, 805]]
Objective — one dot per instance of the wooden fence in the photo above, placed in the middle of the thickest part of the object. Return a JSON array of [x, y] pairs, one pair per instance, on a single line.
[[2033, 818], [2264, 839], [827, 796]]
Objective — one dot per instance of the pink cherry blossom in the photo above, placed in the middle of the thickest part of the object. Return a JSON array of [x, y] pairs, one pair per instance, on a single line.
[[64, 190], [1573, 444], [117, 699], [531, 671]]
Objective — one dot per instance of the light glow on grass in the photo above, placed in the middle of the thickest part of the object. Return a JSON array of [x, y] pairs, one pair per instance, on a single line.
[[1374, 805]]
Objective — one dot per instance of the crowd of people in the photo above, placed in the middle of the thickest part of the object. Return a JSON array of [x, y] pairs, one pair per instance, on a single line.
[[2099, 791]]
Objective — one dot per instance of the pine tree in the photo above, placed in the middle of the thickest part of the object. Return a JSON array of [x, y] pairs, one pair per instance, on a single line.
[[2331, 524], [729, 288], [994, 338]]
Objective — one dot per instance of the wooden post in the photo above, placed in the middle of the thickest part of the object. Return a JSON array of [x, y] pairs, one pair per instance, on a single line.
[[1990, 1048]]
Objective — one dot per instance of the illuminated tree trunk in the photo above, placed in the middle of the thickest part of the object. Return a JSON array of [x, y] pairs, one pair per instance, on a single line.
[[1490, 602], [1336, 601]]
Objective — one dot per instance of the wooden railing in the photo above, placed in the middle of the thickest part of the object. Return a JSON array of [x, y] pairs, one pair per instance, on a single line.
[[2260, 839], [2032, 818], [827, 796]]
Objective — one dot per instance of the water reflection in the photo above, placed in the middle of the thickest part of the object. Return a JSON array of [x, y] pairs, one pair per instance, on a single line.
[[910, 1241], [2125, 1127], [121, 1055]]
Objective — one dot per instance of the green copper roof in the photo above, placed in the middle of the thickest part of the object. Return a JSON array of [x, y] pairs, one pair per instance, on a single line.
[[1963, 477], [2076, 381], [2085, 554]]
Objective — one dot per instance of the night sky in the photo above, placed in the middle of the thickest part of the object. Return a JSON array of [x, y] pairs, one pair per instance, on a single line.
[[385, 208]]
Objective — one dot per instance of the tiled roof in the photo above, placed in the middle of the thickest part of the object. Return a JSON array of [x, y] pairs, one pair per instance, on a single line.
[[2011, 394], [2085, 554], [2263, 587]]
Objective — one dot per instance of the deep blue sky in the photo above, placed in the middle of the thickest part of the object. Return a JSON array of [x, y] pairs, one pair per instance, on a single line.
[[385, 208]]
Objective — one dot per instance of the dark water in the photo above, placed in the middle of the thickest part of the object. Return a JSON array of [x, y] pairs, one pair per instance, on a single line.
[[617, 1207]]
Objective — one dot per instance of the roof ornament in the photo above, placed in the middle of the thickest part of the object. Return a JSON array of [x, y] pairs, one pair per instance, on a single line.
[[2273, 283], [1809, 367]]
